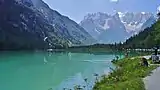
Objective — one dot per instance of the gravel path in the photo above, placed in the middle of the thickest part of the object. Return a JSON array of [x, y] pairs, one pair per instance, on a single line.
[[152, 82]]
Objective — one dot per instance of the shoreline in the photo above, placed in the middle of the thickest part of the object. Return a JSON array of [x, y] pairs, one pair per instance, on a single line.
[[129, 76]]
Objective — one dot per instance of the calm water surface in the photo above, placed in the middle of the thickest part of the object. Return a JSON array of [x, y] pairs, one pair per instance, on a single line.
[[51, 71]]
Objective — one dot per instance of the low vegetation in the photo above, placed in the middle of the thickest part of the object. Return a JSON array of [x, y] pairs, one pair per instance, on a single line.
[[127, 76]]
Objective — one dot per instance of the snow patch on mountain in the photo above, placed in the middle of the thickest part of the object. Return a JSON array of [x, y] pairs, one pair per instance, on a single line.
[[106, 26], [103, 25], [158, 9], [97, 31], [134, 21], [121, 14]]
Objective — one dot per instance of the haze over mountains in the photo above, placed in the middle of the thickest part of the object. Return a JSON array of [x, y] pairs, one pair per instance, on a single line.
[[108, 28]]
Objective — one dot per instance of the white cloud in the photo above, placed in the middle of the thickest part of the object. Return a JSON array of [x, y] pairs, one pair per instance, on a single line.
[[143, 12], [114, 0], [158, 8]]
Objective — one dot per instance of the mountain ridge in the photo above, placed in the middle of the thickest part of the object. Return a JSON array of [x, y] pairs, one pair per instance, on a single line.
[[132, 23], [34, 27], [148, 38]]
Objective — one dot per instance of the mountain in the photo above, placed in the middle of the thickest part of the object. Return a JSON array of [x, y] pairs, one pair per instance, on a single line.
[[136, 22], [158, 9], [31, 24], [76, 33], [94, 23], [148, 38], [115, 31], [148, 23], [118, 27]]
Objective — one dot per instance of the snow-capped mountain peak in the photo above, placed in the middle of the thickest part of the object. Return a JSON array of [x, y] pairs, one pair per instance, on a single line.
[[116, 16], [127, 23], [134, 21], [121, 14], [158, 9]]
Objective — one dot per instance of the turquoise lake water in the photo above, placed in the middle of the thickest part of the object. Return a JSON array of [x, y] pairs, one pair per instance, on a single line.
[[51, 71]]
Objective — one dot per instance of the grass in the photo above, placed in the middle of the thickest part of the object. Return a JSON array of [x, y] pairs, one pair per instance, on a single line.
[[128, 76]]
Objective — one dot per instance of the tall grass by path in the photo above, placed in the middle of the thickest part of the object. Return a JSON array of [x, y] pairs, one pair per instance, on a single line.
[[127, 77]]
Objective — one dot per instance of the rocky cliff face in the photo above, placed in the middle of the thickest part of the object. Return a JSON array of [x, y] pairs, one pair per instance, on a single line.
[[115, 32], [26, 24], [62, 22], [118, 27], [136, 22]]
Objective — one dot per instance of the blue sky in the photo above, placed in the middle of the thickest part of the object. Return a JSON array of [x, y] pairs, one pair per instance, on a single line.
[[77, 9]]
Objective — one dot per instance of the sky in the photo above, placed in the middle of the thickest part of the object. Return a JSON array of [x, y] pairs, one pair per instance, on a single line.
[[77, 9]]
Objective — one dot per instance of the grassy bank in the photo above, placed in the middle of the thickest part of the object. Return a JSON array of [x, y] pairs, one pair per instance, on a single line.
[[127, 77]]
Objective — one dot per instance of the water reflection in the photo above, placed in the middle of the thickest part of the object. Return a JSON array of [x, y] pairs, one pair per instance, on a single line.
[[74, 81], [53, 71], [72, 62]]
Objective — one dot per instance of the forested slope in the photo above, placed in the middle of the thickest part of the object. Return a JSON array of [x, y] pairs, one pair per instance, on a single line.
[[148, 38]]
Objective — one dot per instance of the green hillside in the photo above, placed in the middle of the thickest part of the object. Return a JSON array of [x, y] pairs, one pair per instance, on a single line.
[[148, 38]]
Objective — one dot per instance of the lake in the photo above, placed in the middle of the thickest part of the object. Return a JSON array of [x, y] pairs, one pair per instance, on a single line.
[[51, 71]]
